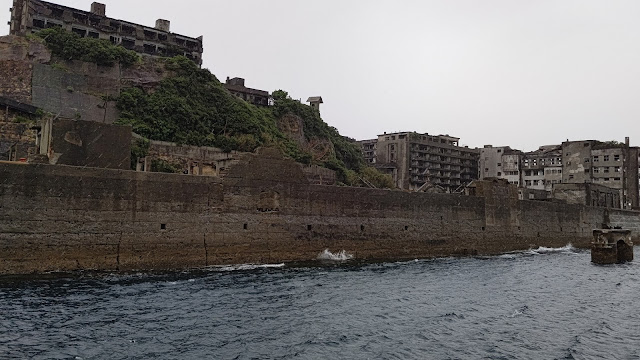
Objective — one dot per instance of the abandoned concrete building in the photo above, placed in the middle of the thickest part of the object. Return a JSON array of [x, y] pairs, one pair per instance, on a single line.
[[418, 162], [500, 162], [253, 96], [29, 16], [612, 166]]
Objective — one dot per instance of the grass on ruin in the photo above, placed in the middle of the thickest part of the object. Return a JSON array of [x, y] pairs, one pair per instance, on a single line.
[[69, 46]]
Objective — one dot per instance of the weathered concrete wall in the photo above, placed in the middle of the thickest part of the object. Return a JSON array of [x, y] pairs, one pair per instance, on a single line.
[[91, 144], [69, 89], [319, 175], [193, 160], [264, 211], [76, 94], [16, 141], [625, 220], [17, 57]]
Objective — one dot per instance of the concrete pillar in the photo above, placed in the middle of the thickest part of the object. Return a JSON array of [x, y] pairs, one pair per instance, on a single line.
[[99, 9], [163, 25]]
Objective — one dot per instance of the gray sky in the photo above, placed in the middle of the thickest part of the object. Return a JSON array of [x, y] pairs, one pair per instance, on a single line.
[[501, 72]]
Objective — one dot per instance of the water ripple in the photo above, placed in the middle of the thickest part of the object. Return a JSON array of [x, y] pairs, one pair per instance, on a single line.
[[538, 304]]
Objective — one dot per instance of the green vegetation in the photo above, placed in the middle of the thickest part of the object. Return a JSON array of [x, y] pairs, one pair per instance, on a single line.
[[70, 46], [192, 107], [139, 150], [164, 167]]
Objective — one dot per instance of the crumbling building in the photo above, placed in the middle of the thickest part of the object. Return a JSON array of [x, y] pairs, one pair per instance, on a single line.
[[29, 16], [421, 161], [253, 96], [612, 166]]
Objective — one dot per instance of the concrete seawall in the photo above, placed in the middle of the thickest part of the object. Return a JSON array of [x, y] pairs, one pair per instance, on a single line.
[[60, 218]]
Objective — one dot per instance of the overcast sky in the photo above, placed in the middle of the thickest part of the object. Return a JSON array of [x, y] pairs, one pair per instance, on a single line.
[[501, 72]]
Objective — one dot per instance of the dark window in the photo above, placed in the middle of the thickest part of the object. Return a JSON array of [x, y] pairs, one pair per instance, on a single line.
[[57, 13], [163, 226], [150, 35], [149, 48], [115, 25], [94, 21], [80, 32], [82, 18], [162, 37], [128, 43], [128, 29], [50, 25], [94, 35], [38, 23]]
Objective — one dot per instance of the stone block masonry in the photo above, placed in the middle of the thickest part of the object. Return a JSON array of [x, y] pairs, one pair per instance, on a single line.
[[61, 218]]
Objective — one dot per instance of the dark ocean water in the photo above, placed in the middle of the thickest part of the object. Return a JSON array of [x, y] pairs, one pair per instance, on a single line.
[[542, 304]]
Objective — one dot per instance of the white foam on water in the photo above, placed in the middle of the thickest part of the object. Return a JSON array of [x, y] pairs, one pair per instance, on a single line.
[[546, 250], [328, 255], [247, 267]]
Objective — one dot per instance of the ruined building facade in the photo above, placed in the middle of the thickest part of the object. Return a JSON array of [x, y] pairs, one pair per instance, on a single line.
[[253, 96], [556, 168], [418, 162], [29, 16]]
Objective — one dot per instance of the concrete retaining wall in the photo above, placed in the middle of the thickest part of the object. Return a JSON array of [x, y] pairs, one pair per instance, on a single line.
[[264, 211]]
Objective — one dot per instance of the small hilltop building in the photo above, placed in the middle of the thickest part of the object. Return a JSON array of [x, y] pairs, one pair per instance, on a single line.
[[253, 96]]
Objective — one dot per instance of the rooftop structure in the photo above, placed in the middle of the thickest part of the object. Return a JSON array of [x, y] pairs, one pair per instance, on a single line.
[[29, 16]]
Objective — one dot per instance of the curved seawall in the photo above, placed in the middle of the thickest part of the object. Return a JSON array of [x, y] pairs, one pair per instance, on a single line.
[[61, 218]]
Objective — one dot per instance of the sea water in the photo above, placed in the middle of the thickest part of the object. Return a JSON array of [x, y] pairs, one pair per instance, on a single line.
[[537, 304]]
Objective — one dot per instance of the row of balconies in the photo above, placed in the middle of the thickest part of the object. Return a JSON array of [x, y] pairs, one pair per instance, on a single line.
[[461, 155]]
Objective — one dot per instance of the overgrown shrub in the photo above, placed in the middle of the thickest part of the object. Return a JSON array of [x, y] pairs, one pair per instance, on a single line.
[[192, 107], [69, 46]]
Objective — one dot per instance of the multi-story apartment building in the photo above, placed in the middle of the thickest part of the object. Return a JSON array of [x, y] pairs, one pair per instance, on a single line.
[[419, 161], [612, 165], [501, 162], [542, 168], [29, 16]]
